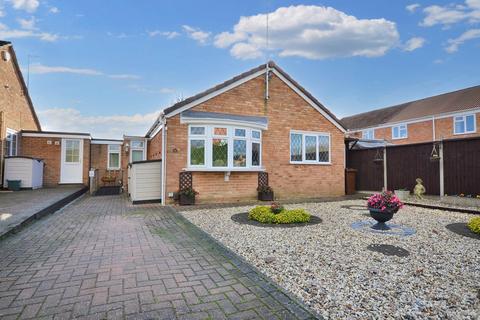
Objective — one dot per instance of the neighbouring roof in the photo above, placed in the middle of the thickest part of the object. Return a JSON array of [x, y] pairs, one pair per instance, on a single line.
[[271, 65], [22, 81], [455, 101], [56, 132], [261, 121]]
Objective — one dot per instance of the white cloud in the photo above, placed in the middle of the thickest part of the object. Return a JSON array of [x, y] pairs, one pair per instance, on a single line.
[[197, 34], [453, 44], [28, 24], [311, 32], [54, 10], [412, 7], [43, 69], [26, 5], [166, 34], [72, 120], [451, 14], [124, 76], [7, 34], [414, 44], [145, 89]]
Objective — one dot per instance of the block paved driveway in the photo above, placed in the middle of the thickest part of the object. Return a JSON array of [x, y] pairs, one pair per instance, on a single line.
[[102, 258]]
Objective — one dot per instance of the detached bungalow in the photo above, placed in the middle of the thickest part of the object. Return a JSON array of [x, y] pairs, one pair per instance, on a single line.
[[260, 127], [224, 140]]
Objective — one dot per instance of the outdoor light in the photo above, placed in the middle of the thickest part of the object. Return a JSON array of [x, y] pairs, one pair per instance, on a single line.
[[126, 147]]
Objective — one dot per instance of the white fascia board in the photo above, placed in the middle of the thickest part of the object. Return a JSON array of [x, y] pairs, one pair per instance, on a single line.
[[313, 104], [422, 119], [107, 142], [154, 133], [217, 121], [55, 135], [215, 93]]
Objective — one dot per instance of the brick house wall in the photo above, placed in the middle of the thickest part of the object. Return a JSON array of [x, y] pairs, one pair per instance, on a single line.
[[50, 153], [15, 110], [286, 111], [423, 131], [154, 147]]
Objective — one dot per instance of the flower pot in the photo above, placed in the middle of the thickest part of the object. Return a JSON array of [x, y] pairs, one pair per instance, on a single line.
[[185, 200], [402, 194], [265, 196]]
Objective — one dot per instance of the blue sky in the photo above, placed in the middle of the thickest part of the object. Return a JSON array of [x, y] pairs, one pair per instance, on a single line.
[[108, 67]]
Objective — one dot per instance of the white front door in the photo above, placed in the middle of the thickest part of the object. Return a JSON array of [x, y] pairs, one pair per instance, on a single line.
[[71, 170]]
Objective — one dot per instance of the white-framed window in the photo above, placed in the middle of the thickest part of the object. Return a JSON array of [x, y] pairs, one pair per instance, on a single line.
[[137, 150], [114, 152], [223, 147], [399, 131], [368, 134], [11, 143], [309, 147], [464, 124], [72, 151]]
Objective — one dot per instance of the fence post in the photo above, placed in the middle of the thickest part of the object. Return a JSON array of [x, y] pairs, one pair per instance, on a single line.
[[385, 184], [442, 177]]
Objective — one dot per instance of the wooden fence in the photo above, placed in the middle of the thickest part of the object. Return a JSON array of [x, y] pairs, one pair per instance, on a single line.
[[457, 171]]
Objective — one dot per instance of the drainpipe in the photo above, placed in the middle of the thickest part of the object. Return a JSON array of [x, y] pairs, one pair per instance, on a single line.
[[433, 128], [164, 155], [267, 72]]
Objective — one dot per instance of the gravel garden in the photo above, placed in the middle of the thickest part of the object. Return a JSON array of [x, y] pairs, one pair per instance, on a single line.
[[427, 265]]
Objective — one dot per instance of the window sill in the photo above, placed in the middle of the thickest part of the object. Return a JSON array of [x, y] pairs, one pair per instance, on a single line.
[[463, 133], [259, 169], [312, 163], [402, 138]]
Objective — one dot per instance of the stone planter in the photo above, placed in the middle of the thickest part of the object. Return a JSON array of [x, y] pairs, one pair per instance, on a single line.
[[381, 217], [402, 194], [185, 200], [265, 196]]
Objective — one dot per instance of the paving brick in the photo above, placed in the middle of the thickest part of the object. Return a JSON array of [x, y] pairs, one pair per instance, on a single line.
[[93, 260]]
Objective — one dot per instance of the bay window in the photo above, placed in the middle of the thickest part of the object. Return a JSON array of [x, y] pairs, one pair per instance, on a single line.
[[309, 147], [220, 147]]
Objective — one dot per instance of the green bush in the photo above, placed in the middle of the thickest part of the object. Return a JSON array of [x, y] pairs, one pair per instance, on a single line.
[[264, 214], [474, 225]]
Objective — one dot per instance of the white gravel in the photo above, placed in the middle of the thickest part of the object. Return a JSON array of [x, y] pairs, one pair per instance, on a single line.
[[328, 266]]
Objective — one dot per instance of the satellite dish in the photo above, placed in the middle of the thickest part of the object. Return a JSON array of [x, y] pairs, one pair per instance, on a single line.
[[6, 56]]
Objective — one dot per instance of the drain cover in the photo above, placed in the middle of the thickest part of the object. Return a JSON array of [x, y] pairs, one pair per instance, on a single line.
[[389, 250]]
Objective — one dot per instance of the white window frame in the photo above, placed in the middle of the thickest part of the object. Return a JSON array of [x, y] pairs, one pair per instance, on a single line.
[[463, 118], [230, 137], [368, 132], [132, 148], [14, 134], [310, 133], [399, 126], [119, 152]]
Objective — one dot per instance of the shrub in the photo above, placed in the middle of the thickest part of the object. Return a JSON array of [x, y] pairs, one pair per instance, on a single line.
[[474, 225], [264, 214], [188, 192], [264, 189], [276, 208]]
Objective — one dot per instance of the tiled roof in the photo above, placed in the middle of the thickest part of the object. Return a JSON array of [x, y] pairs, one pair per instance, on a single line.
[[460, 100]]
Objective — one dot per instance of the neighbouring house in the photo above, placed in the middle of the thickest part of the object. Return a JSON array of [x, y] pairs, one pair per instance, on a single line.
[[16, 108], [259, 121], [450, 115]]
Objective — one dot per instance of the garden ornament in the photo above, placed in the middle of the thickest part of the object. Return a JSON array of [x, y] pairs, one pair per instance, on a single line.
[[419, 189]]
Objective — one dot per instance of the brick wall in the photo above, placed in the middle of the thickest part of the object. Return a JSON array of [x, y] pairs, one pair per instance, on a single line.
[[423, 131], [286, 111], [50, 153], [154, 147], [15, 112]]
